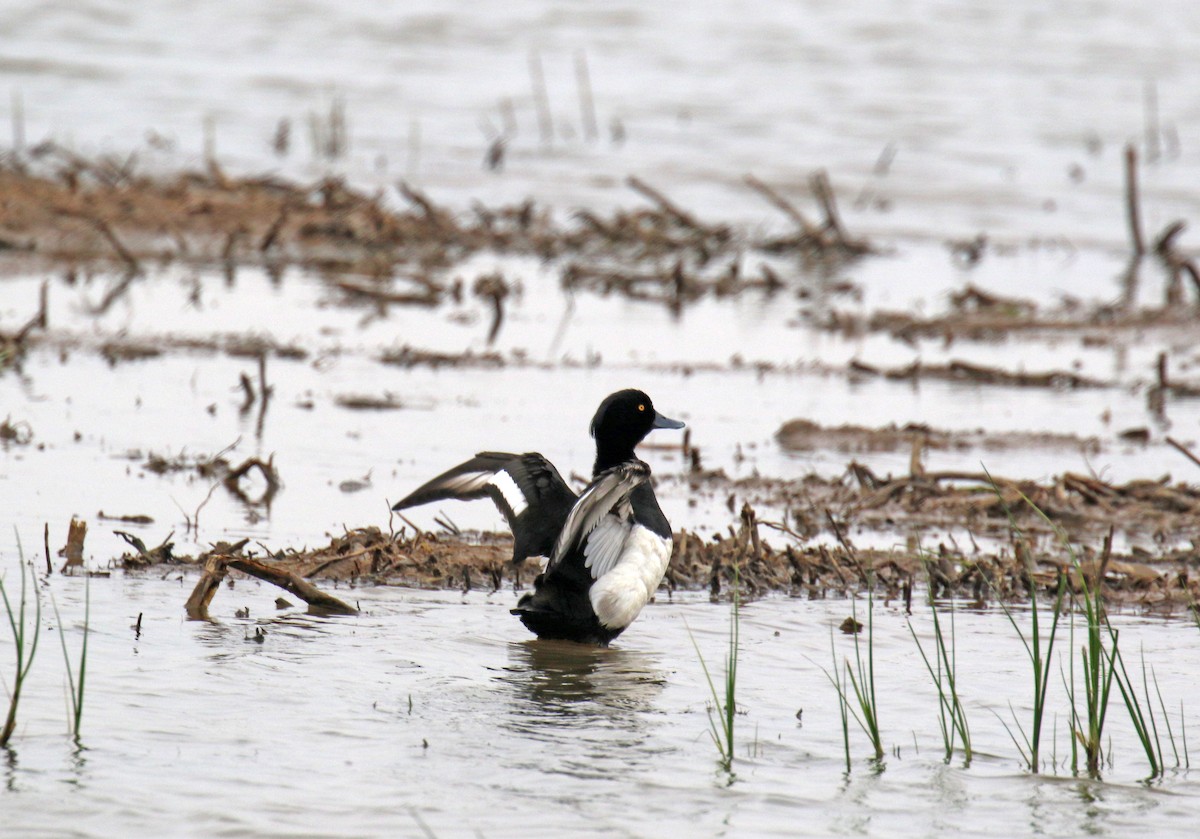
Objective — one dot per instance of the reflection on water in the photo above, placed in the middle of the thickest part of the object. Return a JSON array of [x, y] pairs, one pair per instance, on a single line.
[[565, 694], [11, 765], [561, 678]]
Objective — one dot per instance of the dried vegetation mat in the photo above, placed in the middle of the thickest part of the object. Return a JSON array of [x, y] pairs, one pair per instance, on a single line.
[[395, 244], [1021, 535], [392, 247]]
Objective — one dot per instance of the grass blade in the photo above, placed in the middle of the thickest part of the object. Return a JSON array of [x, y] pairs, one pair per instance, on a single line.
[[25, 648]]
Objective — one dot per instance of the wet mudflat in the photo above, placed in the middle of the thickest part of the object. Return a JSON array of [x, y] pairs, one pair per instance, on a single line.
[[928, 284]]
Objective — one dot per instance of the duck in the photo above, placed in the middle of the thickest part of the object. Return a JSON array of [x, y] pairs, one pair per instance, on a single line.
[[606, 549]]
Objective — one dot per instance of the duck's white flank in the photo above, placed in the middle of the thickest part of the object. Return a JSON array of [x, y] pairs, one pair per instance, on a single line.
[[619, 595]]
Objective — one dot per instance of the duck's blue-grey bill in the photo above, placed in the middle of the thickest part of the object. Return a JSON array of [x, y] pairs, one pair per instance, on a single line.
[[665, 422]]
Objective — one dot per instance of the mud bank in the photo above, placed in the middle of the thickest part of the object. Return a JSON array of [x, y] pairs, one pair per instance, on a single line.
[[1013, 547]]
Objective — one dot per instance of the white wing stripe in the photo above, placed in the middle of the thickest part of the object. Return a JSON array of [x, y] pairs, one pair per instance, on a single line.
[[511, 492]]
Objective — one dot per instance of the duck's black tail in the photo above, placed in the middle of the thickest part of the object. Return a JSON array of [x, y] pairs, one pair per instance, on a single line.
[[554, 611]]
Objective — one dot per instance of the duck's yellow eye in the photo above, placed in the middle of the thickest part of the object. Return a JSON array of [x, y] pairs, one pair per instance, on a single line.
[[641, 407]]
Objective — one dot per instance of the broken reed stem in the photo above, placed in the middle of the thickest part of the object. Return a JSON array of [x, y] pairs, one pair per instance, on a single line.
[[819, 182], [414, 196], [541, 99], [104, 229], [807, 228], [73, 550], [1132, 210], [272, 234], [18, 122], [40, 318], [664, 204], [1153, 133], [587, 105], [117, 245], [249, 396], [218, 566], [1183, 450], [46, 546], [1176, 263], [265, 391]]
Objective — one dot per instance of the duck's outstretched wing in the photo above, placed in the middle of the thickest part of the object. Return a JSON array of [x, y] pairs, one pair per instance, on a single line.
[[526, 488], [601, 519]]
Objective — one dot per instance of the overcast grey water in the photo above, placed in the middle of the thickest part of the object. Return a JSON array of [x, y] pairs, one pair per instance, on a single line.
[[433, 713]]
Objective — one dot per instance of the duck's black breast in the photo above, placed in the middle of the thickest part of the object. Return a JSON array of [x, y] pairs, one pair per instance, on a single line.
[[647, 513]]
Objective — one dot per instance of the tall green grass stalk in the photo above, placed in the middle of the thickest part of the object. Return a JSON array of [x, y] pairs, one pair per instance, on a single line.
[[952, 717], [1153, 718], [839, 685], [1096, 658], [721, 715], [1143, 721], [25, 644], [1187, 761], [1038, 656], [1098, 671], [1073, 722], [862, 677], [1103, 664], [76, 688]]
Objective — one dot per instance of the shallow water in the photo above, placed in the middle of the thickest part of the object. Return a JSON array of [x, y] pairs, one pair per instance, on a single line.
[[434, 712]]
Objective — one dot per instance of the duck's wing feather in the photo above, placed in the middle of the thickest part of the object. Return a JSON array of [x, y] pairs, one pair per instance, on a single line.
[[526, 489], [601, 519], [602, 548]]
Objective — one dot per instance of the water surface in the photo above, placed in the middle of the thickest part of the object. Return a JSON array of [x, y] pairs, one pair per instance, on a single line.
[[434, 711]]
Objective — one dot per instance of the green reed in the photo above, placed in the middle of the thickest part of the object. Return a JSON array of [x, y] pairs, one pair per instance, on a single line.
[[952, 717], [1098, 672], [837, 680], [722, 715], [76, 688], [861, 675], [1185, 762], [1144, 724], [25, 637], [1039, 655], [1103, 665]]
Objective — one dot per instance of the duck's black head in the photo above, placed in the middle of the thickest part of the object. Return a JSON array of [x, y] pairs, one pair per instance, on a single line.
[[621, 422]]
